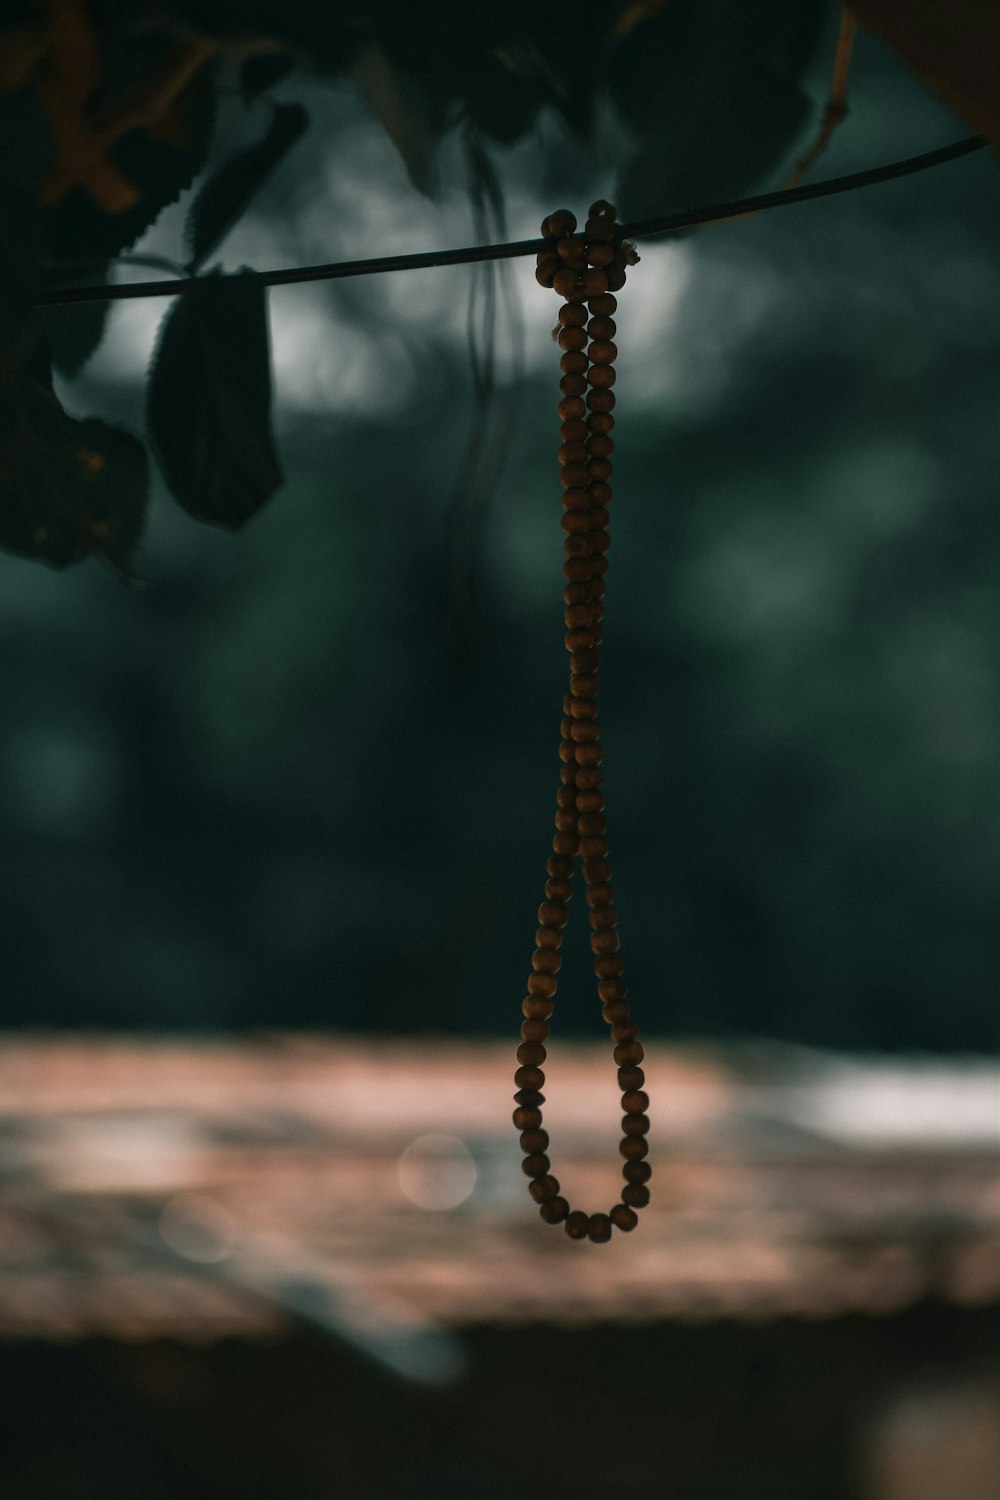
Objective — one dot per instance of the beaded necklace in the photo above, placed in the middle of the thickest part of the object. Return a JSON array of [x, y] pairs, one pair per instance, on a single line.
[[585, 270]]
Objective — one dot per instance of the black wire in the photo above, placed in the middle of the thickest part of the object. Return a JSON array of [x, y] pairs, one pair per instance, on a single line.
[[641, 229]]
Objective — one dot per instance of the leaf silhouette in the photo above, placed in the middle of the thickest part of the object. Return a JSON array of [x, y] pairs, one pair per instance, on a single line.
[[209, 400], [228, 191], [68, 488]]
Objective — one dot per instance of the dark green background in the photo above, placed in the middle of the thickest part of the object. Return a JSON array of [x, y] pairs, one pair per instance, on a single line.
[[291, 782]]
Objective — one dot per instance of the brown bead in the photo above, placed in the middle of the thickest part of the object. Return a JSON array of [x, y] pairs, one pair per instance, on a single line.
[[601, 401], [534, 1029], [599, 1229], [534, 1141], [572, 385], [572, 252], [600, 230], [565, 821], [574, 476], [543, 1189], [546, 269], [600, 421], [546, 963], [603, 943], [600, 893], [598, 517], [635, 1124], [574, 617], [628, 1052], [624, 1031], [601, 376], [635, 1194], [593, 282], [584, 732], [633, 1147], [558, 890], [600, 541], [559, 866], [630, 1078], [572, 338], [602, 328], [585, 661], [611, 989], [614, 278], [623, 1217], [538, 1007], [574, 363], [583, 684], [603, 307], [593, 847], [635, 1102], [574, 315], [589, 824], [529, 1078], [532, 1053], [575, 593], [602, 352], [536, 1165], [527, 1119], [565, 843], [576, 1225], [588, 777], [553, 914], [575, 432], [572, 453], [555, 1210], [572, 406], [541, 986], [597, 871], [559, 224], [583, 708], [637, 1171], [573, 284], [600, 254], [589, 755], [601, 446], [529, 1098], [547, 937], [583, 636], [614, 1011], [577, 498], [599, 469]]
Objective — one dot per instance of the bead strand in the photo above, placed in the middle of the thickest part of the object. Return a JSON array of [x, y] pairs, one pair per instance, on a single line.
[[584, 270]]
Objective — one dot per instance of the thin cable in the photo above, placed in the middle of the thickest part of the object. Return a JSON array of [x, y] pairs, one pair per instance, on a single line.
[[641, 229]]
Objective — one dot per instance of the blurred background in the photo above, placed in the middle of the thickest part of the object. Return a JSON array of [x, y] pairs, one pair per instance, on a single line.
[[300, 781]]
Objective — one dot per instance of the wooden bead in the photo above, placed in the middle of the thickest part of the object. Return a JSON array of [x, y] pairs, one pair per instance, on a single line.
[[602, 377], [600, 401], [572, 406], [536, 1165], [603, 307], [589, 825], [530, 1098], [558, 890], [534, 1141], [628, 1053], [614, 278], [575, 363], [614, 1011], [585, 661], [602, 328], [600, 230], [635, 1125], [588, 777], [633, 1147], [623, 1217], [598, 469], [572, 339], [543, 1189], [555, 1210], [572, 284], [574, 315], [600, 892], [598, 517], [546, 963], [635, 1102], [546, 269], [635, 1194], [583, 684], [527, 1119], [572, 252], [552, 914], [594, 282], [559, 866], [575, 593], [565, 843], [576, 1225], [599, 254], [583, 708], [532, 1053], [585, 732], [599, 1228], [597, 871], [600, 541], [529, 1078], [637, 1171], [580, 637], [547, 937], [575, 432], [572, 453], [574, 616], [603, 943], [630, 1078], [574, 476], [602, 352], [601, 446], [611, 989], [572, 385], [559, 224], [589, 755], [541, 986], [600, 421]]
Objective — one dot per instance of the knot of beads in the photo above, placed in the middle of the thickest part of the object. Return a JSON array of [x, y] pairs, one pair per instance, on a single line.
[[585, 269]]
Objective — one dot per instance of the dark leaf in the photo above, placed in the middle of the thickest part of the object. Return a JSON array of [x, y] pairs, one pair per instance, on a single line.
[[73, 330], [258, 74], [25, 150], [68, 488], [712, 90], [228, 191], [404, 108], [209, 400]]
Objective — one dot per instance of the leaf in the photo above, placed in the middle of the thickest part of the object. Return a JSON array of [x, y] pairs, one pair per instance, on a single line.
[[69, 488], [713, 93], [73, 330], [404, 109], [209, 400], [25, 149], [955, 47], [228, 191]]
